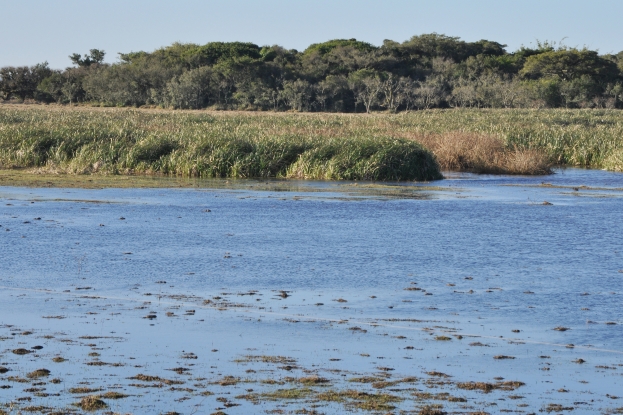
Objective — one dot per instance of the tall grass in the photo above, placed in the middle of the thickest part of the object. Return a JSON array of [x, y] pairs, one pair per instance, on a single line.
[[481, 153], [566, 137], [122, 141], [308, 146]]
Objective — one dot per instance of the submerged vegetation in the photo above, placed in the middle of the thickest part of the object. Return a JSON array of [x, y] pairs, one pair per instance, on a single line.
[[406, 146]]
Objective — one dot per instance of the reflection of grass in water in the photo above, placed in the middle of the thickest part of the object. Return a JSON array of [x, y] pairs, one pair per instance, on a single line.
[[26, 178]]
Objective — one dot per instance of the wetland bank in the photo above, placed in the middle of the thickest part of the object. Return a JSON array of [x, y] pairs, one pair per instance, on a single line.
[[472, 296], [387, 147], [189, 262]]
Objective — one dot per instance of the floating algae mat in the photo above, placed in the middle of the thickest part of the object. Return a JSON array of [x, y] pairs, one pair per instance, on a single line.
[[477, 297]]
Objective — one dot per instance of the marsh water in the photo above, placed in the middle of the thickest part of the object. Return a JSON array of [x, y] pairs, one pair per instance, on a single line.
[[470, 279]]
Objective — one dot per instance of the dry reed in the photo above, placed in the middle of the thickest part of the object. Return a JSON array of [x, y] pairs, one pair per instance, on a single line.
[[482, 153]]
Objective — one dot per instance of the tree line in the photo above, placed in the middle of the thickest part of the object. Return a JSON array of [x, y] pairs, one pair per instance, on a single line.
[[342, 75]]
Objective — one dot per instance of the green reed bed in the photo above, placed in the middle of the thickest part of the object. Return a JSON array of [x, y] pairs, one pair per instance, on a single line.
[[236, 145], [307, 146]]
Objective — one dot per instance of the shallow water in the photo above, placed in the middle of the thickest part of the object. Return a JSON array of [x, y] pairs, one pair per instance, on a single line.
[[487, 256]]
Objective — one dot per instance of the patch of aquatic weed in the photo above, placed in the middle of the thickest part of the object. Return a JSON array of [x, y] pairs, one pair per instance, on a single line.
[[488, 387], [387, 383], [156, 379], [39, 373], [483, 153], [432, 410], [227, 381], [361, 400], [91, 403], [349, 398], [83, 390], [278, 395], [554, 407], [366, 379], [113, 395], [443, 396], [313, 380], [265, 359], [35, 408]]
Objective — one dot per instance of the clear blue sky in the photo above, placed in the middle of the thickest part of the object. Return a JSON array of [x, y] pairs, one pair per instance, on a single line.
[[33, 31]]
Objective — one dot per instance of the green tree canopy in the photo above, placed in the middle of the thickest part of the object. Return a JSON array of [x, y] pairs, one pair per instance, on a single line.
[[569, 64], [326, 47], [94, 56], [434, 45]]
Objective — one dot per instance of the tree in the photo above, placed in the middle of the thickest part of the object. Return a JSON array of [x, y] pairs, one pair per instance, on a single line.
[[407, 93], [326, 47], [391, 88], [463, 94], [436, 45], [52, 87], [189, 90], [297, 94], [429, 94], [616, 92], [328, 90], [366, 86], [426, 71], [569, 64], [95, 56], [137, 83], [21, 82], [578, 92]]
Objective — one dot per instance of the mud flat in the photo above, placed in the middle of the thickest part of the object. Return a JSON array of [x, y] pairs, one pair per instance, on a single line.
[[475, 297]]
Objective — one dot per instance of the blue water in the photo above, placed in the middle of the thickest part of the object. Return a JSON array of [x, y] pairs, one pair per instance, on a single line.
[[529, 266]]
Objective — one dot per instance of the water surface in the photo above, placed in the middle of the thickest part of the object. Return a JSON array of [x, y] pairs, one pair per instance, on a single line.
[[468, 256]]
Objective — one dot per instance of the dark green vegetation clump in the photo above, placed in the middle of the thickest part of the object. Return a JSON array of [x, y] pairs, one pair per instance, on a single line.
[[202, 145]]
